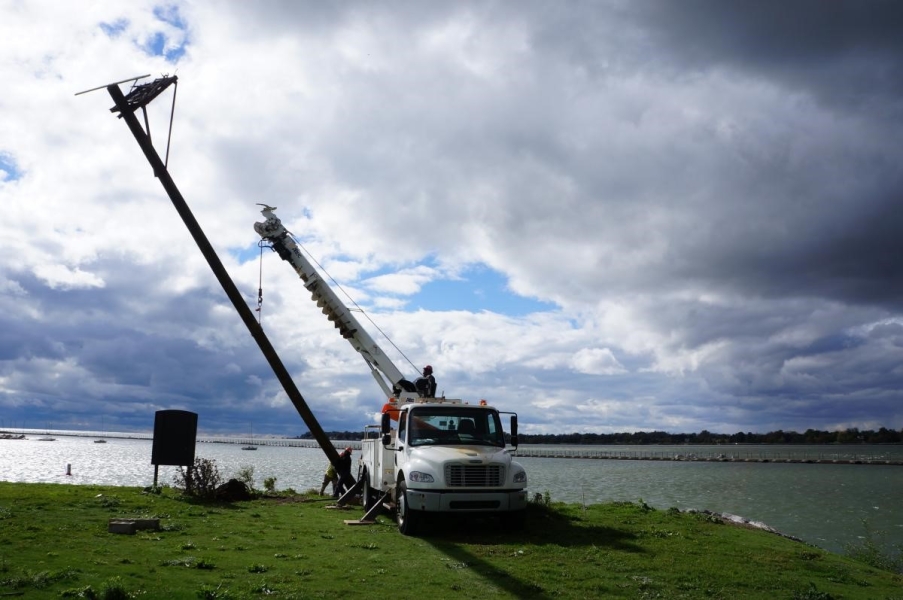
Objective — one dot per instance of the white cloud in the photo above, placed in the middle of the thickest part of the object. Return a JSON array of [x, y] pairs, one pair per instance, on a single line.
[[62, 277], [404, 282], [596, 361]]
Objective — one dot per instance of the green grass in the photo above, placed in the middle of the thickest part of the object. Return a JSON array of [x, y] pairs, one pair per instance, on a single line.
[[54, 544]]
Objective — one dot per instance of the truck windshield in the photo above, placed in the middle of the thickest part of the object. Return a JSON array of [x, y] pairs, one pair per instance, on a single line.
[[455, 425]]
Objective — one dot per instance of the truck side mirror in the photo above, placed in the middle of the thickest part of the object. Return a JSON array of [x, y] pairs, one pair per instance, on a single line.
[[385, 425], [387, 439], [514, 430]]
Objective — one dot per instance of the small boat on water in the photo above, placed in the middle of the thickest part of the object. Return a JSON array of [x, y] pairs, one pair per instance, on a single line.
[[102, 431], [48, 437], [250, 446]]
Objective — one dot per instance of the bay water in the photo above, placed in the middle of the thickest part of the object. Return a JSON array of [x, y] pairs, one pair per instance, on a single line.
[[828, 505]]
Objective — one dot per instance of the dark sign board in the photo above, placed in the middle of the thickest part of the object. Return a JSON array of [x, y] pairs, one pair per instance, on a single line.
[[175, 433]]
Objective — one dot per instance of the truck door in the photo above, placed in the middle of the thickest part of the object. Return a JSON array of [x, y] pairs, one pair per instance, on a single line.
[[401, 447]]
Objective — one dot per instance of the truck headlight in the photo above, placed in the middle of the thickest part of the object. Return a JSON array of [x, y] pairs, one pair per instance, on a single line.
[[420, 477], [520, 477]]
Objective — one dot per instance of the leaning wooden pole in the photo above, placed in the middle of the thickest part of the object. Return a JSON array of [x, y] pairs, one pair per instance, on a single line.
[[127, 112]]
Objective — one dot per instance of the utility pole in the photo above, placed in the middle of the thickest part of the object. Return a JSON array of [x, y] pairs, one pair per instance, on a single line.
[[126, 106]]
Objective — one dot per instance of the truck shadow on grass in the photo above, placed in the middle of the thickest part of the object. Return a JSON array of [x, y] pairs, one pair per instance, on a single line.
[[470, 542]]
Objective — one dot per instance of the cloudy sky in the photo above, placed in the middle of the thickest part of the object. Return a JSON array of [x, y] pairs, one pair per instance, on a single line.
[[606, 216]]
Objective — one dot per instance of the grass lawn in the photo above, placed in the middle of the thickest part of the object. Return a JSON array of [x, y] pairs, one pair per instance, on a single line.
[[54, 543]]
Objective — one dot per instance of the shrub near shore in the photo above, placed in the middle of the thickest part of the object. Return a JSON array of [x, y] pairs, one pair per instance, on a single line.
[[54, 543]]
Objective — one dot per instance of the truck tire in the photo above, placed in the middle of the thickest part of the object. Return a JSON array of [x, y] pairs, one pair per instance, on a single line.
[[367, 496], [408, 520]]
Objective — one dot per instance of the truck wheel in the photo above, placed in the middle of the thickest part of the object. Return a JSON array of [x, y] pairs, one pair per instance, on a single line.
[[367, 492], [408, 520]]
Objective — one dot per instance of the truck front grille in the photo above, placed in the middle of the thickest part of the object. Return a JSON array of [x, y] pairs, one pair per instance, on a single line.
[[474, 475]]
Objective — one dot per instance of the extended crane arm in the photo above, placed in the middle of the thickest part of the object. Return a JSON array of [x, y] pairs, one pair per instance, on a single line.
[[387, 375]]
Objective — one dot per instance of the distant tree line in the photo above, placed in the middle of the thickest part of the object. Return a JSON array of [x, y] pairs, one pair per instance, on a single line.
[[810, 436]]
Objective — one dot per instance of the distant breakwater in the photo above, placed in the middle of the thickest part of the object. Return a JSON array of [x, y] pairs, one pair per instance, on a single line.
[[747, 456]]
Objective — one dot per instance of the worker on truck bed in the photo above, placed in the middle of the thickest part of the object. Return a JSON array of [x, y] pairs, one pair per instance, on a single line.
[[426, 385]]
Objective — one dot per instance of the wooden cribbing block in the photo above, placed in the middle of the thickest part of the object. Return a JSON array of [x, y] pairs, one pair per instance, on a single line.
[[130, 526]]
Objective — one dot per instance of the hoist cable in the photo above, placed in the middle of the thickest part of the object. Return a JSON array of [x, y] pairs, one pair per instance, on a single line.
[[357, 307]]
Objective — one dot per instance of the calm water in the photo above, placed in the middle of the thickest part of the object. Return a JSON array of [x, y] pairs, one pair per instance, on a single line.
[[825, 505]]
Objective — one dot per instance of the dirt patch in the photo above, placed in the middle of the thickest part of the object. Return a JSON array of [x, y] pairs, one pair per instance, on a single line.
[[296, 499]]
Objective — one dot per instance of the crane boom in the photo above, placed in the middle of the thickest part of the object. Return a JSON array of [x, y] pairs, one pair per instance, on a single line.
[[387, 375], [445, 455]]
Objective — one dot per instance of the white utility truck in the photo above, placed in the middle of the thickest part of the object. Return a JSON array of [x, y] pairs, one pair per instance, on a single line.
[[442, 455]]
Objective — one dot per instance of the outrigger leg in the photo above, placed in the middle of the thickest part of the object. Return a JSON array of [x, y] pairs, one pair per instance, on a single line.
[[369, 517], [351, 493]]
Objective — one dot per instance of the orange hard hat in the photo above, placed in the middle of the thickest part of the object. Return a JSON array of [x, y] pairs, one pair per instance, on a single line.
[[392, 409]]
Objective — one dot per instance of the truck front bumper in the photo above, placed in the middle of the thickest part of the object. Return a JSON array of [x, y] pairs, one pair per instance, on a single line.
[[456, 501]]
